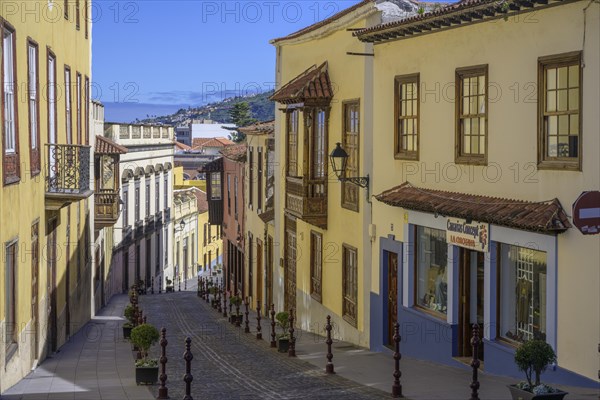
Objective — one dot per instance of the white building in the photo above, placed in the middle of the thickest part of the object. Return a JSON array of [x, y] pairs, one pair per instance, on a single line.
[[144, 228]]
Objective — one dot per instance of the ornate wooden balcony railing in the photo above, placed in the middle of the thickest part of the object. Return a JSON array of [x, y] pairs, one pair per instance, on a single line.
[[106, 208], [67, 174], [307, 199]]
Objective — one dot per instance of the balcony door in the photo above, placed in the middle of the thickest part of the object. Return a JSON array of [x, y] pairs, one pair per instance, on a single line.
[[51, 118]]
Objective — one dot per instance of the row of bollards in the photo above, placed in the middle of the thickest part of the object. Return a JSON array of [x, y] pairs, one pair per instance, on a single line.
[[329, 366], [163, 391]]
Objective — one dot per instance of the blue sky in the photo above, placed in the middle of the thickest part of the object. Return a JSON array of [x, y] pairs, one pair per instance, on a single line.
[[170, 52]]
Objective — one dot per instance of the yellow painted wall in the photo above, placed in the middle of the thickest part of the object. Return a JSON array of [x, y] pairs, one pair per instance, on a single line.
[[511, 50], [346, 73], [23, 203]]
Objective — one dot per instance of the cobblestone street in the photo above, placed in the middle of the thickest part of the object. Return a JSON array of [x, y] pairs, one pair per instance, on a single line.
[[231, 364]]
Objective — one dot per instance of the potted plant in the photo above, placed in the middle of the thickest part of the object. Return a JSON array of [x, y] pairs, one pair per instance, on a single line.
[[533, 357], [169, 286], [283, 338], [213, 290], [236, 318], [146, 369], [128, 313]]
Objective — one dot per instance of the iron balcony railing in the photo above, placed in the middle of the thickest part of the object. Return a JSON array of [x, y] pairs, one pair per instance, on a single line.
[[68, 169]]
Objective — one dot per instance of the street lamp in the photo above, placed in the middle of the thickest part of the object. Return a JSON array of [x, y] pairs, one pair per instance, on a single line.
[[339, 162]]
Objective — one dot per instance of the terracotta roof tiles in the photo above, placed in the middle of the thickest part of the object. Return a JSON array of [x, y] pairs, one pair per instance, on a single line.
[[313, 84], [546, 216], [106, 146]]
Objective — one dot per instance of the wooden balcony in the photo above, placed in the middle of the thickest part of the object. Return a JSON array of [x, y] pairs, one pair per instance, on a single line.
[[106, 208], [67, 174], [307, 200]]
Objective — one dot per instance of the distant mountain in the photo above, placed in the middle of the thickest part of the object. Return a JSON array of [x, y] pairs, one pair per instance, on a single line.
[[261, 107]]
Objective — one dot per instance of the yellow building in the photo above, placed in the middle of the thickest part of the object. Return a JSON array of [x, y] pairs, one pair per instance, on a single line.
[[484, 136], [259, 193], [209, 244], [323, 73], [46, 202]]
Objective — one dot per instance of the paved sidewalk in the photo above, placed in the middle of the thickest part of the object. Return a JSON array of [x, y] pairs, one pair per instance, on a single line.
[[96, 363]]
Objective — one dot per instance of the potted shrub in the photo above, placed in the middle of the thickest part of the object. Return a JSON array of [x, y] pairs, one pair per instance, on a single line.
[[283, 338], [146, 369], [128, 326], [213, 290], [236, 318], [533, 357], [169, 287]]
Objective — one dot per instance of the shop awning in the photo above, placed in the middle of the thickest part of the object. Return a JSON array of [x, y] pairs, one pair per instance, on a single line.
[[544, 216], [311, 86]]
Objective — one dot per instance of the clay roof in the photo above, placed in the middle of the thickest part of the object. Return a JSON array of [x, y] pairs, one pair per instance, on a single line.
[[182, 146], [259, 128], [324, 22], [312, 84], [447, 16], [235, 153], [545, 216], [199, 143], [106, 146]]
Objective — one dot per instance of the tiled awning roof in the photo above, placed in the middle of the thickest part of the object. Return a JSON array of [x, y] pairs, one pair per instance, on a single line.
[[449, 16], [311, 85], [106, 146], [259, 128], [235, 153], [546, 216]]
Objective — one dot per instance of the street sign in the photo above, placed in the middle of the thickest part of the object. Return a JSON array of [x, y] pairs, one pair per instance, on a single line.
[[586, 212]]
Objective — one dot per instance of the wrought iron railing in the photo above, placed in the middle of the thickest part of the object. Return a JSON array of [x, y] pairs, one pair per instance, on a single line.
[[67, 168]]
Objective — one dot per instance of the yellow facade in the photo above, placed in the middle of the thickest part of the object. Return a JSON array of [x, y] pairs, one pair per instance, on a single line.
[[186, 232], [510, 49], [209, 243], [348, 76], [23, 204]]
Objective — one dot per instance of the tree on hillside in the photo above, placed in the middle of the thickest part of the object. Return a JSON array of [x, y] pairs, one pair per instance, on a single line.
[[240, 115]]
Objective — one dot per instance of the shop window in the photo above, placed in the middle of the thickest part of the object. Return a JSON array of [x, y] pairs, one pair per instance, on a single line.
[[431, 269], [522, 294]]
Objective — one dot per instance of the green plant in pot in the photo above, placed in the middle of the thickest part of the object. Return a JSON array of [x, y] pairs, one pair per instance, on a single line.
[[213, 290], [532, 358], [146, 369], [128, 313], [169, 287], [283, 338], [236, 316]]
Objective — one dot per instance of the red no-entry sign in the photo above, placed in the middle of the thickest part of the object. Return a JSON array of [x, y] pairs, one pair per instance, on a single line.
[[586, 212]]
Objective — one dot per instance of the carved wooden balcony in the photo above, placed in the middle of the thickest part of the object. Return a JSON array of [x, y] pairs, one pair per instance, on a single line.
[[307, 200], [67, 174], [106, 208]]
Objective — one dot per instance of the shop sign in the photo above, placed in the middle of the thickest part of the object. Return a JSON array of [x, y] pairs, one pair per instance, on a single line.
[[470, 235]]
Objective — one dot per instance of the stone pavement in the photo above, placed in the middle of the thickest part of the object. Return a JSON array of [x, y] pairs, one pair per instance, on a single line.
[[229, 364], [421, 380], [96, 363]]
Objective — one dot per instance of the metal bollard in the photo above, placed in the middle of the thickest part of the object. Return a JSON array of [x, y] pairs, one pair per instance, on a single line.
[[273, 342], [163, 391], [187, 378], [237, 315], [247, 322], [329, 365], [219, 306], [396, 387], [292, 348], [152, 285], [258, 328], [475, 363]]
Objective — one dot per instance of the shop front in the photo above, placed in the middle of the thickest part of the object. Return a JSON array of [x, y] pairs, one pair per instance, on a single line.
[[464, 260]]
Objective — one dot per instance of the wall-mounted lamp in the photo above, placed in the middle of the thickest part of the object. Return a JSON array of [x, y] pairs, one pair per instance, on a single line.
[[339, 162]]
